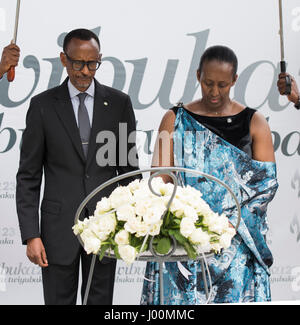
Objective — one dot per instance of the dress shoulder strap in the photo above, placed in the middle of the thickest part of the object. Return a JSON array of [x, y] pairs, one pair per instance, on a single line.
[[175, 108]]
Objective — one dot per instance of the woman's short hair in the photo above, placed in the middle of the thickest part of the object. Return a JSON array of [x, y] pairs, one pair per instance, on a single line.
[[219, 53], [82, 34]]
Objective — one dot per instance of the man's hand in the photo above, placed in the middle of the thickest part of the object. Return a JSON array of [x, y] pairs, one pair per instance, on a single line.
[[10, 57], [36, 252], [293, 97]]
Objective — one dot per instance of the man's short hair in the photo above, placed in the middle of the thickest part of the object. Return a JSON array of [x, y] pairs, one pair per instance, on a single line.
[[82, 34]]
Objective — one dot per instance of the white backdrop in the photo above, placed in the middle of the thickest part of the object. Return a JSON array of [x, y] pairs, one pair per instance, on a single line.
[[151, 50]]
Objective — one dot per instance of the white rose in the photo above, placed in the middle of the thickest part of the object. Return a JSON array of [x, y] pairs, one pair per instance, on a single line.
[[155, 229], [190, 212], [177, 207], [183, 199], [142, 194], [202, 207], [187, 226], [102, 235], [104, 224], [92, 245], [136, 226], [79, 227], [162, 188], [86, 234], [219, 224], [76, 229], [127, 253], [142, 206], [154, 212], [199, 237], [216, 247], [191, 191], [190, 194], [167, 189], [208, 218], [125, 211], [216, 223], [89, 232], [122, 237], [93, 226], [133, 224], [157, 183], [179, 191], [120, 196], [134, 185], [143, 229], [230, 231], [225, 240], [102, 206]]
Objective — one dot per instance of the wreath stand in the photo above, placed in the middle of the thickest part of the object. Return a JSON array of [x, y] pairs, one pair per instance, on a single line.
[[174, 255]]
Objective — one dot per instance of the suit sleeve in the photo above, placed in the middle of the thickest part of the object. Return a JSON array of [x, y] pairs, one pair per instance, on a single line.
[[128, 151], [29, 175]]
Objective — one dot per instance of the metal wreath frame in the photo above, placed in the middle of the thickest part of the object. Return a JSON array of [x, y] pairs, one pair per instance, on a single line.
[[169, 257]]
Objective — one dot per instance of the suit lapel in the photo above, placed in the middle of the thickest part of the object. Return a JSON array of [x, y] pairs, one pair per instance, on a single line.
[[100, 115], [65, 112]]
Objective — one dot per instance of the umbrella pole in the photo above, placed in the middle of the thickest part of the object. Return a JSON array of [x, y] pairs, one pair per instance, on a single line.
[[288, 82], [11, 72]]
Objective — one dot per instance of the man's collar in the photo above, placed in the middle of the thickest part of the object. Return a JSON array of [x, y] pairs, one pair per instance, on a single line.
[[74, 91]]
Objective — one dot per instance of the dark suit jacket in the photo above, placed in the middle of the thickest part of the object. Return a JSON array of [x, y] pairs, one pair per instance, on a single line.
[[51, 146]]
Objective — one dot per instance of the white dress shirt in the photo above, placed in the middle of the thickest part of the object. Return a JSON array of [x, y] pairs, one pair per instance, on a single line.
[[89, 100]]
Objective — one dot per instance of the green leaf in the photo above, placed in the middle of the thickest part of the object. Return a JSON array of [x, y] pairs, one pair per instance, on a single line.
[[169, 219], [176, 233], [200, 218], [163, 246], [135, 241], [164, 232], [116, 251], [155, 240], [145, 247], [190, 250], [120, 226], [214, 239], [177, 221], [103, 249]]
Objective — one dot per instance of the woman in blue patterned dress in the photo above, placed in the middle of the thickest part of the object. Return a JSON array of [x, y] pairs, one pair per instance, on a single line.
[[221, 137]]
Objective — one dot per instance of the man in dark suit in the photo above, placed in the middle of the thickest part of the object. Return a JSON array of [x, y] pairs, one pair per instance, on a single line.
[[60, 140]]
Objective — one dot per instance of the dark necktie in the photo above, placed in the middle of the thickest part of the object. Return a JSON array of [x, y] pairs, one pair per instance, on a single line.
[[83, 123]]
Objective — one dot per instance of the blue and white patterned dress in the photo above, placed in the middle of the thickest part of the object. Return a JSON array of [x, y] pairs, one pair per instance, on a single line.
[[241, 272]]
